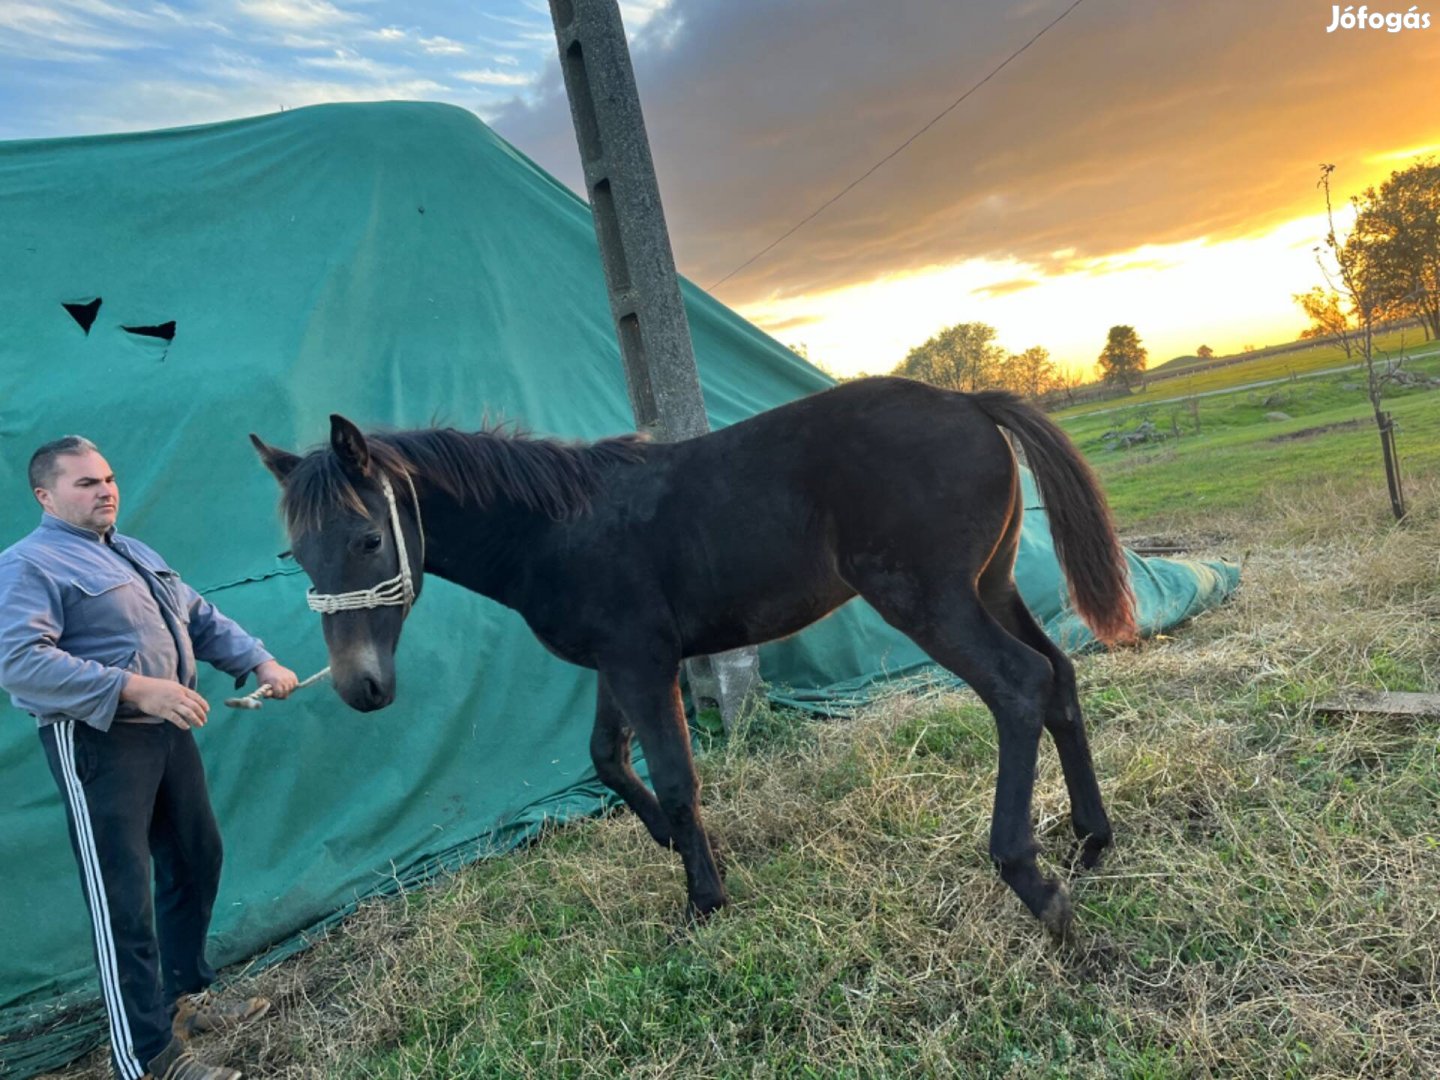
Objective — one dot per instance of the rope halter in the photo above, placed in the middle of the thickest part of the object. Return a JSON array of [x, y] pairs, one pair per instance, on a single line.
[[398, 591]]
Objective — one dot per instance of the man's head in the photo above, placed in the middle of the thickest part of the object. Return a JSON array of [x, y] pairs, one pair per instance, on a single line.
[[72, 481]]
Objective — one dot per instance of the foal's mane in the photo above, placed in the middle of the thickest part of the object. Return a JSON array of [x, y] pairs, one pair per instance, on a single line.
[[480, 468]]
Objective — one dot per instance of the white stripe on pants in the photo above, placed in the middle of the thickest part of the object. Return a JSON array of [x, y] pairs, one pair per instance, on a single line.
[[121, 1042]]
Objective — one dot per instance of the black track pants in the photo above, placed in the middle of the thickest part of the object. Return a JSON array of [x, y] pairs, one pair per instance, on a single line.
[[134, 794]]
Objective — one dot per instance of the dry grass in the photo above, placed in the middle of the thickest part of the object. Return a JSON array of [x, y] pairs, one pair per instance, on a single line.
[[1272, 907]]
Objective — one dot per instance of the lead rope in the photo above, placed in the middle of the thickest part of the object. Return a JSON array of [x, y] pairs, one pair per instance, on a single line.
[[256, 698]]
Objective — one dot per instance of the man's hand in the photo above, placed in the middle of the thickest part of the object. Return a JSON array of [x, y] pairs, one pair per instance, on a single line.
[[278, 677], [166, 699]]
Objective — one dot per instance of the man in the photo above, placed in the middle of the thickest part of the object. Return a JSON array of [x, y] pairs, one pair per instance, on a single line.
[[98, 641]]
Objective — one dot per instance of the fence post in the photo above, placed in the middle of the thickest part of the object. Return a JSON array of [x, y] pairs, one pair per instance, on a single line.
[[1392, 466]]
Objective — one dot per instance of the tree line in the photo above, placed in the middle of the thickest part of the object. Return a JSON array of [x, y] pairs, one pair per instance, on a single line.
[[966, 357]]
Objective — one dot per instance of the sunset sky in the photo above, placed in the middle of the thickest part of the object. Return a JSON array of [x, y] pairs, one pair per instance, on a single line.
[[1146, 163]]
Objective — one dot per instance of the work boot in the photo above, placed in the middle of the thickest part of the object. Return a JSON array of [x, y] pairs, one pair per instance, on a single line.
[[178, 1062], [196, 1014]]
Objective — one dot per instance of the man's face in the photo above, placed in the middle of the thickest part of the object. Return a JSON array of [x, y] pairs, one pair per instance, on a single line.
[[84, 493]]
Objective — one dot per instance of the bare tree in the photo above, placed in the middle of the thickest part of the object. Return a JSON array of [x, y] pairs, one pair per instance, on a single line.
[[1345, 272], [1067, 381]]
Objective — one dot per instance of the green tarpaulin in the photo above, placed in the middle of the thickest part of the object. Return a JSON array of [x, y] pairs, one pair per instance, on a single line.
[[400, 264]]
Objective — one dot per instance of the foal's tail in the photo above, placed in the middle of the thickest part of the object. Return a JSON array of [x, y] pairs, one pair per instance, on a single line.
[[1080, 522]]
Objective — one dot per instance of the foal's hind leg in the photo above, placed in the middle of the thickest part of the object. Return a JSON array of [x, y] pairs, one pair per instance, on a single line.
[[1015, 682], [610, 751], [1066, 725], [650, 701]]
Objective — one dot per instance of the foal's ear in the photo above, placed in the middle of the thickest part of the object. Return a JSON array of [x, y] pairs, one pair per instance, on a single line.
[[280, 462], [348, 442]]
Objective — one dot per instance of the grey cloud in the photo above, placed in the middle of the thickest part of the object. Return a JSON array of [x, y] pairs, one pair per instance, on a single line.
[[1127, 124]]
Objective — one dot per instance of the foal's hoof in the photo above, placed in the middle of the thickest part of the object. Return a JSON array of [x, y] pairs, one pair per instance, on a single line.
[[1087, 852], [1058, 916], [695, 916], [1090, 956], [701, 911]]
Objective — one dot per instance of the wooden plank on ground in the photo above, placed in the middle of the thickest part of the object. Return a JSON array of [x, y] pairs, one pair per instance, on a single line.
[[1385, 703]]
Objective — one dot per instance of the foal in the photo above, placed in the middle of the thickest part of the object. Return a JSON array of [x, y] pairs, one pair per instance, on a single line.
[[626, 557]]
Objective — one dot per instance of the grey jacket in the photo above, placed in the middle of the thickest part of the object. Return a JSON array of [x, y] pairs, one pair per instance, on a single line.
[[79, 613]]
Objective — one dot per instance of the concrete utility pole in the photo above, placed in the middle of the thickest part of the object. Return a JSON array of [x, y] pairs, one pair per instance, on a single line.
[[640, 272]]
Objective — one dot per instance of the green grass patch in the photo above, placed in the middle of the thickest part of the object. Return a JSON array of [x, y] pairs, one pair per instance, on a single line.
[[1239, 459]]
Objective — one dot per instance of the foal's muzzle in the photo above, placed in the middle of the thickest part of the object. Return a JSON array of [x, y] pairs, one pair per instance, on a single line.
[[367, 695]]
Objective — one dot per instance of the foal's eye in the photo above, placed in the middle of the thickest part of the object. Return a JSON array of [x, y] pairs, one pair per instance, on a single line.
[[371, 543]]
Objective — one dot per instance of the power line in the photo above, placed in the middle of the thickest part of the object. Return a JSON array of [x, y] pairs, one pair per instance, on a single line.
[[859, 180]]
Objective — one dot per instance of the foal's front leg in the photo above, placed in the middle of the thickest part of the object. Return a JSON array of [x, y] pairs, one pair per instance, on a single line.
[[649, 698], [610, 751]]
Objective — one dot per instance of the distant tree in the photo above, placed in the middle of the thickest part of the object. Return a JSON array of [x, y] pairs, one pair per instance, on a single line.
[[1068, 381], [1395, 245], [1123, 358], [1322, 308], [960, 357], [1030, 373], [1005, 376], [802, 350], [1204, 352]]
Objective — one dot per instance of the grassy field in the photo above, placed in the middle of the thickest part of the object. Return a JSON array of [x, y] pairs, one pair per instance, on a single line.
[[1239, 460], [1212, 378], [1271, 909]]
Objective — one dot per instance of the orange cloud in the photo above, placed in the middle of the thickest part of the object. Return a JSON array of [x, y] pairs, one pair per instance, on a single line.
[[1127, 125], [1005, 288]]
